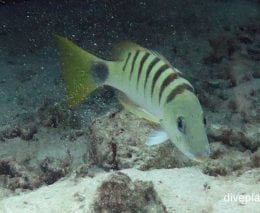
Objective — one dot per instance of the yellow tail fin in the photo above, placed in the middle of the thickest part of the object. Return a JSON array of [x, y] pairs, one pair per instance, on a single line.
[[77, 65]]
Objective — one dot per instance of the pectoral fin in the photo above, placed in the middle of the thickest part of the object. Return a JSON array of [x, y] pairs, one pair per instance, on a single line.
[[157, 137], [135, 109]]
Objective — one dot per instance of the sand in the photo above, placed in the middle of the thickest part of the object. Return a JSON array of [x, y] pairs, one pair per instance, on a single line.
[[181, 190]]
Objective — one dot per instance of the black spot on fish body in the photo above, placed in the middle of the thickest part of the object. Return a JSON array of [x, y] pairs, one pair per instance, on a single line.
[[99, 72]]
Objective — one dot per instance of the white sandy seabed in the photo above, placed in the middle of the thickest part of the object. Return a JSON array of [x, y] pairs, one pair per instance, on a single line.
[[181, 190]]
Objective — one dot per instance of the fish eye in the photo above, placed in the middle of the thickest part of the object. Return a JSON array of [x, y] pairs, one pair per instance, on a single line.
[[181, 124], [204, 121]]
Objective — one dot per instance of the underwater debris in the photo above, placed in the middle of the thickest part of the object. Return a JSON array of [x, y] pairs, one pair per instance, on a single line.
[[119, 194]]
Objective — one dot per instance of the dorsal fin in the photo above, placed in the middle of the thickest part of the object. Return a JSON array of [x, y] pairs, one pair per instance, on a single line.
[[121, 49], [154, 52]]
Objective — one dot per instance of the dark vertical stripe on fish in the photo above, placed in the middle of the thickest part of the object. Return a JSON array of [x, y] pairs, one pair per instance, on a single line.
[[126, 61], [157, 75], [133, 63], [146, 55], [170, 78], [149, 69], [178, 90]]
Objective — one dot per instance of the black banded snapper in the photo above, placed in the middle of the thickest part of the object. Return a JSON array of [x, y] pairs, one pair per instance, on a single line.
[[147, 86]]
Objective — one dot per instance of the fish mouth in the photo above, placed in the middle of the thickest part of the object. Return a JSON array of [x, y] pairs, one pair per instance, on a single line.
[[198, 158], [201, 157]]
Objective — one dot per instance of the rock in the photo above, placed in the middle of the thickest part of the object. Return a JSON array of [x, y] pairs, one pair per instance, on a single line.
[[52, 171], [244, 99], [228, 163], [82, 170], [14, 176], [9, 168], [256, 158], [223, 46], [224, 133], [119, 194], [2, 137], [247, 138], [56, 115], [217, 149], [28, 132], [240, 70], [112, 144], [52, 114], [251, 139], [11, 132]]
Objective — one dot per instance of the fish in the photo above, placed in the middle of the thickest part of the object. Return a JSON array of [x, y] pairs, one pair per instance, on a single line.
[[147, 85]]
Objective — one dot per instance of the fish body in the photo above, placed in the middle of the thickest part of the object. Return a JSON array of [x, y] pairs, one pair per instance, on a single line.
[[147, 84]]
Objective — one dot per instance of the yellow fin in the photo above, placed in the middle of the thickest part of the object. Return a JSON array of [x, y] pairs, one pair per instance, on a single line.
[[135, 109], [76, 64]]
